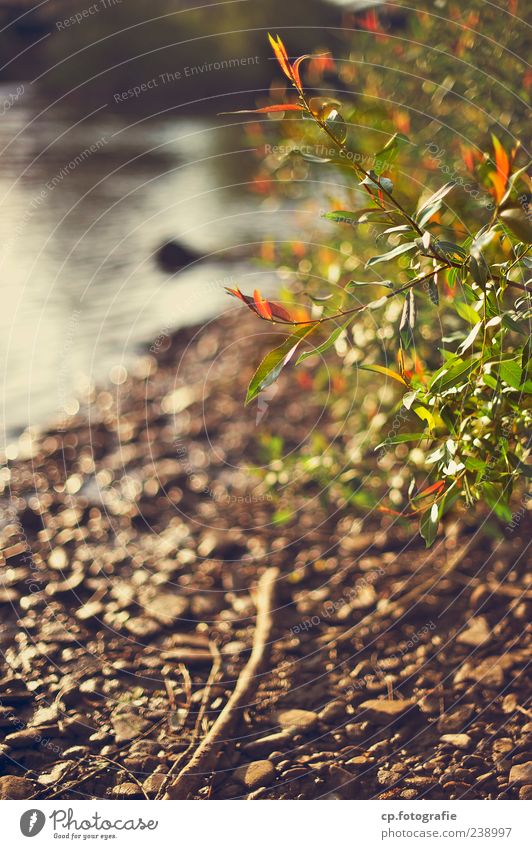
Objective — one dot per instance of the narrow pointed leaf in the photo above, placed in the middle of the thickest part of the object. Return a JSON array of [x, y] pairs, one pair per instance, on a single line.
[[325, 345], [274, 362], [397, 251], [386, 371]]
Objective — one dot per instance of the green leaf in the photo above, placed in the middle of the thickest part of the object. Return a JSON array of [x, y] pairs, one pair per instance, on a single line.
[[428, 525], [479, 271], [511, 373], [375, 182], [470, 338], [497, 500], [387, 283], [399, 438], [437, 196], [467, 312], [450, 249], [432, 287], [359, 216], [397, 251], [448, 377], [408, 320], [325, 345], [343, 216], [425, 415], [281, 517], [274, 362], [385, 157]]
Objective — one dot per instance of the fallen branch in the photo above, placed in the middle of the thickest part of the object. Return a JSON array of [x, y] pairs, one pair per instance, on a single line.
[[203, 760]]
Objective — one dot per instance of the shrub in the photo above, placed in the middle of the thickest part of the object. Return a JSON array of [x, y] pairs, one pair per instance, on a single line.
[[469, 397]]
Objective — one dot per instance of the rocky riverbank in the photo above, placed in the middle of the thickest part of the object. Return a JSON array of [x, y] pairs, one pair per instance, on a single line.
[[134, 536]]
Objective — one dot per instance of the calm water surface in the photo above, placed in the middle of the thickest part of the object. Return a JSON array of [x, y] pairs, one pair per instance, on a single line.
[[81, 291]]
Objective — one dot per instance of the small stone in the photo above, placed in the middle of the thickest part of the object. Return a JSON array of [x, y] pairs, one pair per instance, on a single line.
[[390, 775], [128, 790], [142, 627], [8, 595], [451, 723], [333, 711], [268, 744], [48, 778], [128, 726], [91, 610], [489, 672], [476, 633], [356, 730], [166, 608], [360, 761], [302, 720], [255, 774], [460, 741], [525, 792], [383, 711], [26, 738], [509, 703], [521, 773], [58, 559], [153, 783], [13, 787]]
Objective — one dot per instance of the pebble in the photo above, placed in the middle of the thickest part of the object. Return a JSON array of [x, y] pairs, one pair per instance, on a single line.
[[255, 774], [521, 773], [383, 711], [58, 559], [128, 790], [270, 743], [333, 711], [153, 783], [460, 741], [302, 720], [28, 737], [489, 672], [166, 608], [477, 632], [13, 787], [450, 723], [294, 772], [141, 627], [525, 792], [128, 726]]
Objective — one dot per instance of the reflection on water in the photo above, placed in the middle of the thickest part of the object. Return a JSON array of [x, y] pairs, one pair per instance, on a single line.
[[84, 207]]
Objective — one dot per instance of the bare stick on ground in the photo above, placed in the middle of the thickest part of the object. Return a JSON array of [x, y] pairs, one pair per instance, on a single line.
[[203, 761]]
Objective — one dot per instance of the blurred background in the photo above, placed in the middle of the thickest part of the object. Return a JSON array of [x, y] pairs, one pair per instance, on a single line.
[[112, 145]]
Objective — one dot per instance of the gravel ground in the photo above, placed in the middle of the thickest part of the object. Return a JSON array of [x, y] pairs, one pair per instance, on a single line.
[[133, 538]]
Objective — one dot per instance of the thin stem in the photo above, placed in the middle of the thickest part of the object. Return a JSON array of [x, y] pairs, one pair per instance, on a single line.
[[343, 147], [354, 310]]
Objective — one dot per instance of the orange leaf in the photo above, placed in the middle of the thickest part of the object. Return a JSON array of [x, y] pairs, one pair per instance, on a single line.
[[280, 312], [499, 178], [430, 489], [502, 160], [263, 307], [281, 55], [295, 70]]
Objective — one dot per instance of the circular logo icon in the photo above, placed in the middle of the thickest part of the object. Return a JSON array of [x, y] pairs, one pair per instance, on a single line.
[[32, 822]]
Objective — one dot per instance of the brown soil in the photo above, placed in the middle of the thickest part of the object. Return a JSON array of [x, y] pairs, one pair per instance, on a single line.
[[133, 540]]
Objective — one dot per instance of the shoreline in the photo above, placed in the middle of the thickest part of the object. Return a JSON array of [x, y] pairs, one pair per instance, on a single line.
[[395, 673]]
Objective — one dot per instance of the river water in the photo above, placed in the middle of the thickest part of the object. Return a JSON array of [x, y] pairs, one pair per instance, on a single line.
[[84, 206]]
